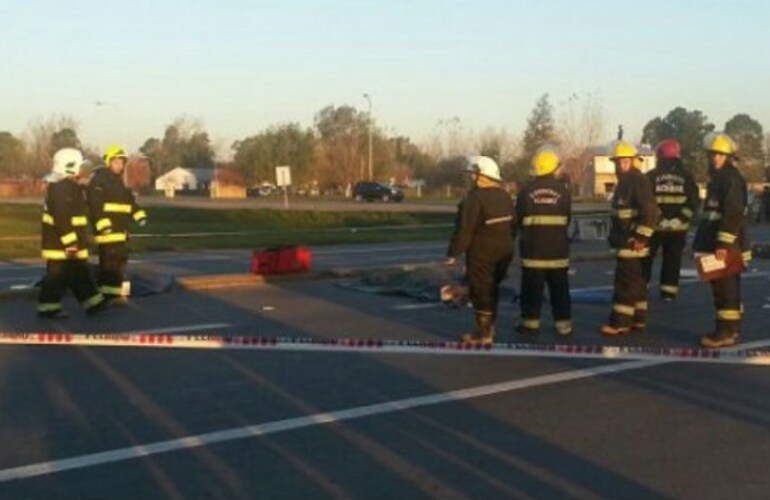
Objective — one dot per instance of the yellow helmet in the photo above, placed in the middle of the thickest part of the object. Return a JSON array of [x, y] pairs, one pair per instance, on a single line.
[[622, 149], [114, 152], [545, 162], [719, 142]]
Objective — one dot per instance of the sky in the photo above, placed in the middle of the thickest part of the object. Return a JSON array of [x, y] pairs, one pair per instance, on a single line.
[[125, 70]]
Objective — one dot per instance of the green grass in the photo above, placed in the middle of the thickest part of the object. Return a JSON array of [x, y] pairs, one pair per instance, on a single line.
[[20, 228]]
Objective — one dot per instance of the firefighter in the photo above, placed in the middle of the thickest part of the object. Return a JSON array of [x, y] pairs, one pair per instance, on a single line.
[[484, 231], [722, 230], [543, 210], [676, 194], [635, 215], [64, 243], [112, 209]]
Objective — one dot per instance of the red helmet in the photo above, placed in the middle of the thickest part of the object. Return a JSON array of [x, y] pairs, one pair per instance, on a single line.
[[668, 149]]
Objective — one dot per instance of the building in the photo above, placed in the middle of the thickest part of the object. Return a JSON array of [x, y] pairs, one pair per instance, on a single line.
[[215, 182], [185, 179], [601, 179]]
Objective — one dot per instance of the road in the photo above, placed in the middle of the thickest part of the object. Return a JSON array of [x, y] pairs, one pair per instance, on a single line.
[[152, 423], [276, 203]]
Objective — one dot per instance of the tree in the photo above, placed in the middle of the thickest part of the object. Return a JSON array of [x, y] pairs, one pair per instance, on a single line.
[[184, 144], [580, 128], [449, 171], [11, 155], [256, 157], [342, 133], [687, 127], [539, 132], [64, 138], [196, 151], [411, 162], [449, 139], [748, 134], [39, 140], [540, 128]]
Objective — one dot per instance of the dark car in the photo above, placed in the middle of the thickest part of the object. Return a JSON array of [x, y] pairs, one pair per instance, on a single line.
[[371, 191]]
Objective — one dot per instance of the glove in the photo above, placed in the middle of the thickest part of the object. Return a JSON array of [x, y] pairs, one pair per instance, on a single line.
[[636, 245], [720, 253], [142, 222]]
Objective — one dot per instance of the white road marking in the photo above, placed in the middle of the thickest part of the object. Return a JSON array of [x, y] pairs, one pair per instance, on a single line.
[[264, 429], [417, 307], [233, 434], [341, 251], [177, 329]]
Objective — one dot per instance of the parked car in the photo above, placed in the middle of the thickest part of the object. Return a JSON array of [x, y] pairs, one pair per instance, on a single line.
[[371, 191], [264, 189]]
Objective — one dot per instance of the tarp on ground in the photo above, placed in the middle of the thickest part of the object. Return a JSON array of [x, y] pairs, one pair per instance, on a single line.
[[421, 284], [144, 283]]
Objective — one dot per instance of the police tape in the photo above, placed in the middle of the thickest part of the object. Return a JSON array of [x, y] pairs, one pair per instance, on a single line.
[[739, 355]]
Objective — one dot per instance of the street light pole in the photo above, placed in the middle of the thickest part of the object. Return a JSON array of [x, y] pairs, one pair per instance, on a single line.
[[369, 99]]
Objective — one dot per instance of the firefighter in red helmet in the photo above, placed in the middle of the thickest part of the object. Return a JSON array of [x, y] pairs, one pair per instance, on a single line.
[[676, 194]]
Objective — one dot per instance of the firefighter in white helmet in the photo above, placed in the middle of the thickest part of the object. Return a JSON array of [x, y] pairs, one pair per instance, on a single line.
[[722, 231], [484, 232], [64, 242], [544, 208]]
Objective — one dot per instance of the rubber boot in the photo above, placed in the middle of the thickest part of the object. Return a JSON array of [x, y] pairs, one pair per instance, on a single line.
[[486, 325], [485, 330]]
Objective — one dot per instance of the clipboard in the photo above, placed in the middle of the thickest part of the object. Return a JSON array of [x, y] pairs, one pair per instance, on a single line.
[[710, 268]]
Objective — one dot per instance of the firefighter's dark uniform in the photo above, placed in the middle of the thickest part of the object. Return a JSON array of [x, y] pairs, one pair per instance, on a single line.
[[676, 194], [543, 209], [635, 215], [723, 225], [112, 207], [65, 250], [484, 231]]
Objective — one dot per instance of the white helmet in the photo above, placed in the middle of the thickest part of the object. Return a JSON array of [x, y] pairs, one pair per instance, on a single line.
[[483, 165], [67, 162]]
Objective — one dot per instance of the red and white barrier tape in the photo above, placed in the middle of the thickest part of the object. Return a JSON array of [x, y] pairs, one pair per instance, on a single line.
[[749, 357]]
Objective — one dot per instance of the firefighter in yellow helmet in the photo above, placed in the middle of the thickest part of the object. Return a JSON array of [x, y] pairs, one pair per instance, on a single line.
[[723, 231], [64, 242], [113, 208], [635, 215], [543, 210], [484, 232]]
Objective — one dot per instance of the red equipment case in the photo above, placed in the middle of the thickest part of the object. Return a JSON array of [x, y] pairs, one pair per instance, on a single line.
[[282, 260]]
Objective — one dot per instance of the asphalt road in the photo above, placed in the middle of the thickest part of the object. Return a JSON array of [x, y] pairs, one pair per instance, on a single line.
[[277, 203], [444, 427]]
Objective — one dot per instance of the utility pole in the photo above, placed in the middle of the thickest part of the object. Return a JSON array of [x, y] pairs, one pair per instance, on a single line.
[[369, 99]]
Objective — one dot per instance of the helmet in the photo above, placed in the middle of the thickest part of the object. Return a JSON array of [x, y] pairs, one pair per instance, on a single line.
[[66, 163], [719, 142], [545, 162], [114, 152], [668, 149], [622, 149], [483, 165]]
